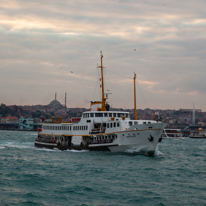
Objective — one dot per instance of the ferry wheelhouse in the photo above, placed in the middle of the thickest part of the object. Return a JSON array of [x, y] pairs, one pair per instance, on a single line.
[[101, 129]]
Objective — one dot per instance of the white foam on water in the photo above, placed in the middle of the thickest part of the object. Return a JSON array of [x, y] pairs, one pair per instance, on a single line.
[[158, 153], [47, 150], [144, 151], [73, 150], [135, 150], [30, 134], [2, 147]]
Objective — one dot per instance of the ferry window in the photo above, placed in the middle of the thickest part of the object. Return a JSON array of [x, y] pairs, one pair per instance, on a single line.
[[127, 115], [104, 125], [110, 114], [114, 124], [107, 125], [70, 128], [120, 114], [130, 123], [144, 122], [114, 114], [91, 114], [135, 122], [111, 125], [86, 127], [117, 124], [98, 114], [105, 114]]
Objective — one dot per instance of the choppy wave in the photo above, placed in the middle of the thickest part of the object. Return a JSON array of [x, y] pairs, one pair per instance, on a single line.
[[38, 176]]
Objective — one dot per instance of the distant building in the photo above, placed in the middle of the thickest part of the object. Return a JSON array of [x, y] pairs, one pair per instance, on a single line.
[[55, 104], [10, 119]]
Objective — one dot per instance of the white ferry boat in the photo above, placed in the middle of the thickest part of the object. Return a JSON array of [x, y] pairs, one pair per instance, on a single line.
[[171, 134], [101, 129]]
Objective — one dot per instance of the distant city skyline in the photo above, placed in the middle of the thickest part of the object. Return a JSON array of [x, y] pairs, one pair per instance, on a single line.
[[50, 47]]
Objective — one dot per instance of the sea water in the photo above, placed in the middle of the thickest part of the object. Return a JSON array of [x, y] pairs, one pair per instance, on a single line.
[[175, 175]]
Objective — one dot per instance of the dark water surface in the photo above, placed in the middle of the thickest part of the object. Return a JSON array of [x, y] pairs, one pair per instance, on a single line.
[[176, 175]]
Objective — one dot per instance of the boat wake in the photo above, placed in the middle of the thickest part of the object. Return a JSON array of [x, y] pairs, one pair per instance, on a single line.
[[73, 150], [144, 151]]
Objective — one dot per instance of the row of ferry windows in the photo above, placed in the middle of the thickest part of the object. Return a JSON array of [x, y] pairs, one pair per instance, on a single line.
[[65, 127], [112, 124], [80, 127], [87, 115]]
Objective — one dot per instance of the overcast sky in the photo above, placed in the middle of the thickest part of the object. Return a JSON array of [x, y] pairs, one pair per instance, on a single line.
[[54, 46]]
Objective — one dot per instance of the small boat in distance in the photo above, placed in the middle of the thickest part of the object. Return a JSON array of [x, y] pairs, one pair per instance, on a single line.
[[172, 134], [101, 129], [199, 134]]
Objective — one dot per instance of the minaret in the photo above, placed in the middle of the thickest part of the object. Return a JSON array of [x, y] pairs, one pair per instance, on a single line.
[[135, 108], [193, 116], [55, 96], [65, 100]]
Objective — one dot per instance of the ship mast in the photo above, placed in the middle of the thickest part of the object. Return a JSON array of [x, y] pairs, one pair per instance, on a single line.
[[102, 79], [135, 109]]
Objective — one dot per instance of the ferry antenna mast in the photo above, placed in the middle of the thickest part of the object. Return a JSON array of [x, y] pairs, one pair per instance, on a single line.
[[102, 79]]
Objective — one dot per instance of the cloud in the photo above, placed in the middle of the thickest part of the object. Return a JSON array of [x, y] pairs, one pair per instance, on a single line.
[[163, 42]]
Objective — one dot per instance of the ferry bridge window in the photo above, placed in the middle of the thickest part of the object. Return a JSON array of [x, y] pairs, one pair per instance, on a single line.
[[120, 114], [130, 123], [127, 115], [91, 114], [105, 114], [98, 114], [110, 114], [114, 114]]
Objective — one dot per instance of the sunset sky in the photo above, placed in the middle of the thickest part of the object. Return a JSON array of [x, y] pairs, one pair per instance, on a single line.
[[54, 46]]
